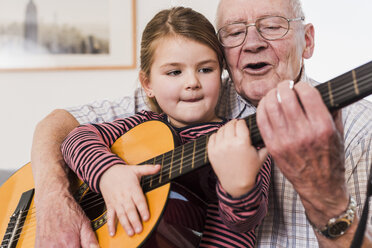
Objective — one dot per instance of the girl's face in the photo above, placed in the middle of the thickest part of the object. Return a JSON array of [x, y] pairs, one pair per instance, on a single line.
[[185, 80]]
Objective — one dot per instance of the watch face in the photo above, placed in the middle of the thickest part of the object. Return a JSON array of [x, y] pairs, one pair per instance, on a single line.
[[339, 227]]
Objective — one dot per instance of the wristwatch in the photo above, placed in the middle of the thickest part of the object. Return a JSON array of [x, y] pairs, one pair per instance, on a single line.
[[337, 226]]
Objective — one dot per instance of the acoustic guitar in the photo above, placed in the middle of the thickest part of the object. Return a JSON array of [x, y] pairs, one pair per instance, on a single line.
[[177, 214]]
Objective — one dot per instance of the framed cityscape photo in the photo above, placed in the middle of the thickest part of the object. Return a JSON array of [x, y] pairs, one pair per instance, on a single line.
[[67, 35]]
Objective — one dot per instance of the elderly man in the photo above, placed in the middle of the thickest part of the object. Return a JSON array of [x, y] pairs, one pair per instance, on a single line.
[[317, 175]]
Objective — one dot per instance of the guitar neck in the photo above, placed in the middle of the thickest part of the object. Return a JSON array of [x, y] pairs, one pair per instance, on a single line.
[[336, 93]]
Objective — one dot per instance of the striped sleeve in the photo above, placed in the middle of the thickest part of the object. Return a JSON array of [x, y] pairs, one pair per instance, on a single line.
[[86, 149], [243, 214]]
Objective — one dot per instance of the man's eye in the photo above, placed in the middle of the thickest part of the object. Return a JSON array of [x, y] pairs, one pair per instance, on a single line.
[[174, 73], [234, 34], [270, 28]]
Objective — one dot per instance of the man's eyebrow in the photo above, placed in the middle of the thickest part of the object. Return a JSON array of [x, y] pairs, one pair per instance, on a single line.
[[230, 21], [243, 20]]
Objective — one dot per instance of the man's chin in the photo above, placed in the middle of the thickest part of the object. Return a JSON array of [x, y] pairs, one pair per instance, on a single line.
[[256, 90]]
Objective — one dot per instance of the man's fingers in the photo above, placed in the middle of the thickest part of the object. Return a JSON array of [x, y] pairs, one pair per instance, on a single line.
[[87, 236]]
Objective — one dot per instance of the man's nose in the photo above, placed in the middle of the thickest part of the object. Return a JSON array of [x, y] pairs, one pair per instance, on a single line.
[[253, 41]]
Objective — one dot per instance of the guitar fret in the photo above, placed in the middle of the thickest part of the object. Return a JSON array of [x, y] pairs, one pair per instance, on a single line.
[[167, 160], [330, 94], [152, 175], [355, 82], [201, 157], [181, 162], [171, 165], [161, 168]]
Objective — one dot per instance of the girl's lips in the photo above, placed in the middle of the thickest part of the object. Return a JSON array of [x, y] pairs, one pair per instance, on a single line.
[[192, 100]]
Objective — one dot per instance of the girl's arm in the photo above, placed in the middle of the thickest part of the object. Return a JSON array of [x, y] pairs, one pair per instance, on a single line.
[[243, 180], [244, 213], [87, 151]]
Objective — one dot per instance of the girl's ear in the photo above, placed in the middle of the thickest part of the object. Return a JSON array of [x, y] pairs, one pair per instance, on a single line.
[[146, 85]]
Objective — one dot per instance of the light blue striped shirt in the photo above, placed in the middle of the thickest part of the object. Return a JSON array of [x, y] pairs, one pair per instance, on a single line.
[[286, 224]]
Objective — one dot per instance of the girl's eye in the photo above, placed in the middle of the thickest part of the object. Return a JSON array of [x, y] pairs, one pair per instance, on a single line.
[[206, 70], [174, 73]]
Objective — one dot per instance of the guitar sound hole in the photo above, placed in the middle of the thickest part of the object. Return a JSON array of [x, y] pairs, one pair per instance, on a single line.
[[93, 205]]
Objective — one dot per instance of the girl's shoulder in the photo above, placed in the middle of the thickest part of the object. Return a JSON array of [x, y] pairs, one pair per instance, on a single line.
[[150, 115]]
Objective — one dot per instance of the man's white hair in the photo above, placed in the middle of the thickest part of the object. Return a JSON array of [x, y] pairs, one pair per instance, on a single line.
[[295, 5], [297, 8]]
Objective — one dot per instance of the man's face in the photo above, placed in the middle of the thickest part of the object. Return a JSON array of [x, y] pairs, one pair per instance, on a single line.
[[258, 65]]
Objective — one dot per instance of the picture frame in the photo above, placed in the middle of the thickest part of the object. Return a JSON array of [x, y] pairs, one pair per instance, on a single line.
[[67, 35]]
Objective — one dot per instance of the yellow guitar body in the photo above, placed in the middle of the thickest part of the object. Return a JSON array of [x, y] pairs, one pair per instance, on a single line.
[[141, 143]]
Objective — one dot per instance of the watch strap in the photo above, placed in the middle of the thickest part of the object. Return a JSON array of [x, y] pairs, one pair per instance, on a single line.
[[337, 226]]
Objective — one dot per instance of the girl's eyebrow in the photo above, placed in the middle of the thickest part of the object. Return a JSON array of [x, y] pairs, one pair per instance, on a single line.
[[171, 64], [175, 64], [208, 61]]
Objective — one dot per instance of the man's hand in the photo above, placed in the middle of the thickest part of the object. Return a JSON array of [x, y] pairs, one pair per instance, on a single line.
[[60, 222], [307, 146], [71, 230]]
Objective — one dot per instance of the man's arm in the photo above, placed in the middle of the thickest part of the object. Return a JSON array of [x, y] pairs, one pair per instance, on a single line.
[[307, 145], [60, 220]]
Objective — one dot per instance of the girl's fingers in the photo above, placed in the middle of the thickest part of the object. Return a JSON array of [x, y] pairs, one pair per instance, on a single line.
[[123, 219], [111, 221]]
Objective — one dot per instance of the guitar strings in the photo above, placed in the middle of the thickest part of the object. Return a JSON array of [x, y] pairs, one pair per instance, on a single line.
[[336, 93], [100, 200], [363, 82], [186, 158], [31, 218], [30, 226], [324, 91], [91, 204]]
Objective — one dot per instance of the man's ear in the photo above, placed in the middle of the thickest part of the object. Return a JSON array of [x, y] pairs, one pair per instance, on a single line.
[[309, 41], [146, 85]]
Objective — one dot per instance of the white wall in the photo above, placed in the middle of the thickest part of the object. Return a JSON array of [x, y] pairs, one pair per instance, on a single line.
[[26, 97]]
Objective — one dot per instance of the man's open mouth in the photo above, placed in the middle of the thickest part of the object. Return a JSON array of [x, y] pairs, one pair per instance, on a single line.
[[256, 66]]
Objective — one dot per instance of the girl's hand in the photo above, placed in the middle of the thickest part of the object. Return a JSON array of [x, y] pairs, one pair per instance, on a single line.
[[233, 158], [124, 198]]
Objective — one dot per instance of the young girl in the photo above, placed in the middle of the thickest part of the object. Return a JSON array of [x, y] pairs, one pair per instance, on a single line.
[[181, 64]]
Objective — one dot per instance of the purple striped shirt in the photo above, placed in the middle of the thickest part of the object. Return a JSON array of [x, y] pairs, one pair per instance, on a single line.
[[229, 222]]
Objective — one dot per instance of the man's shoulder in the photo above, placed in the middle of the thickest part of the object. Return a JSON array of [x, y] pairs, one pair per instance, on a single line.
[[109, 110], [357, 119], [358, 111]]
